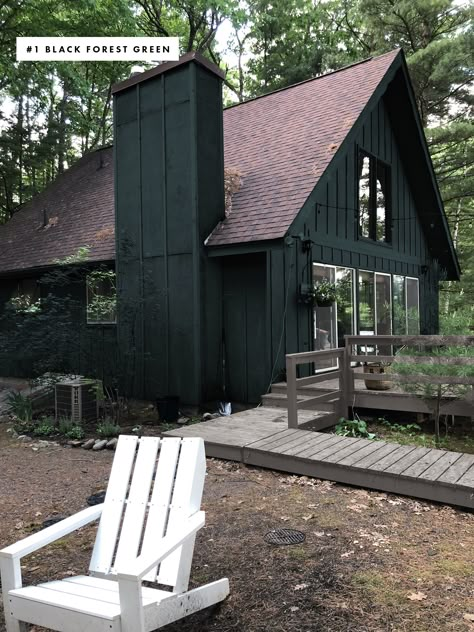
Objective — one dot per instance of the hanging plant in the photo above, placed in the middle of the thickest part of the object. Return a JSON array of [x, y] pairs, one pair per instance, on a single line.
[[323, 293]]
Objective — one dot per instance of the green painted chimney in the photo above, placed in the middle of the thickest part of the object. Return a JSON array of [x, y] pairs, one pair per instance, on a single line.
[[169, 195]]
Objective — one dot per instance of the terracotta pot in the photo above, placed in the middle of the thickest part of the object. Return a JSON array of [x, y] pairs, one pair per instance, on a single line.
[[375, 385]]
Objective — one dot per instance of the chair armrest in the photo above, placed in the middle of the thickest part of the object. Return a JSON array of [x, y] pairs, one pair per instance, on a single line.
[[54, 532], [144, 563]]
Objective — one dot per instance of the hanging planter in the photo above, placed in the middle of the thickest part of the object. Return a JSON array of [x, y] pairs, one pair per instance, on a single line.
[[323, 293]]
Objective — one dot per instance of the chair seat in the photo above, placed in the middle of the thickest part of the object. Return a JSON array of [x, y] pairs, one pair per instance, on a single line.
[[87, 596]]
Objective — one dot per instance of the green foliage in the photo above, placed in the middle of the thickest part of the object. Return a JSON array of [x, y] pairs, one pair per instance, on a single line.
[[108, 429], [409, 429], [20, 405], [101, 296], [457, 322], [438, 363], [80, 256], [44, 427], [353, 428], [69, 429], [25, 305]]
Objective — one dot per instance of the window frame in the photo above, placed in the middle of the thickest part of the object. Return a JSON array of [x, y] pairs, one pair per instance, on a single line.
[[88, 319], [374, 163]]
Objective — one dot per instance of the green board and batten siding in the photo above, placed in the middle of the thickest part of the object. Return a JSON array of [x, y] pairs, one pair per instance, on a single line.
[[169, 195], [329, 219]]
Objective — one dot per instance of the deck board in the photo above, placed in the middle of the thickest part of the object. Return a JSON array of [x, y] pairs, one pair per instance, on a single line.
[[261, 437]]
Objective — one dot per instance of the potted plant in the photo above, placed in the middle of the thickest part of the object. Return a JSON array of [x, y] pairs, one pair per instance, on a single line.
[[377, 368], [325, 293]]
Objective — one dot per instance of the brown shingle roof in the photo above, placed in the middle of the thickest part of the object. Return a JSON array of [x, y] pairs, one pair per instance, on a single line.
[[78, 209], [281, 143]]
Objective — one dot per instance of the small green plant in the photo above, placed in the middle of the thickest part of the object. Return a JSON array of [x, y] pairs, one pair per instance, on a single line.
[[108, 429], [20, 406], [75, 432], [409, 429], [45, 427], [353, 428], [69, 429]]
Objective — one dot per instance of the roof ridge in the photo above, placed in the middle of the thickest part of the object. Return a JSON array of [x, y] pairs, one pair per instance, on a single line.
[[326, 74]]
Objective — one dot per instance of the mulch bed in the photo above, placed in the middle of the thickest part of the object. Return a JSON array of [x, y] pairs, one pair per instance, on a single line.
[[370, 561]]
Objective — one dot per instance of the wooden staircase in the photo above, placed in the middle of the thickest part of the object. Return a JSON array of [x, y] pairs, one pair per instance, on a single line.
[[277, 398]]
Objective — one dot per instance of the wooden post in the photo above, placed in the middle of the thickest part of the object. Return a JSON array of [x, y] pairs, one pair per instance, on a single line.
[[348, 378], [291, 392]]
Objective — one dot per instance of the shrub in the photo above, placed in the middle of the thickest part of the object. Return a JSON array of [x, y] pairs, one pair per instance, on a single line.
[[108, 429], [45, 427], [69, 429], [20, 406]]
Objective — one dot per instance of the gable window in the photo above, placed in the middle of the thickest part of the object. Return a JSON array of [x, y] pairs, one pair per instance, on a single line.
[[374, 198], [101, 297]]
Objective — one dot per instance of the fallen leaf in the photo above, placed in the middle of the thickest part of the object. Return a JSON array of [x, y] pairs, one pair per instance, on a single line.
[[418, 596], [468, 617], [301, 586], [310, 517], [294, 608]]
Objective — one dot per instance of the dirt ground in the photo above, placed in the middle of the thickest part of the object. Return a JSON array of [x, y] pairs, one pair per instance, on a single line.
[[370, 562]]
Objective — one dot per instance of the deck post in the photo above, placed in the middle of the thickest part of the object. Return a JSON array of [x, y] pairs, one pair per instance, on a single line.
[[348, 381], [291, 392]]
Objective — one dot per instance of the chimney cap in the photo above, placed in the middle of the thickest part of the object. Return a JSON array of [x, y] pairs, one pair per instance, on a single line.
[[162, 68]]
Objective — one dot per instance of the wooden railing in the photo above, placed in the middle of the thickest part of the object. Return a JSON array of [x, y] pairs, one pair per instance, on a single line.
[[333, 401], [360, 350]]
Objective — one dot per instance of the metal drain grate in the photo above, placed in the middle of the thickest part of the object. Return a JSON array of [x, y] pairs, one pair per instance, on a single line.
[[284, 536]]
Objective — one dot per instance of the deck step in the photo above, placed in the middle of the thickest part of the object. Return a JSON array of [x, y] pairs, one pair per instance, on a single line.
[[279, 400], [280, 387]]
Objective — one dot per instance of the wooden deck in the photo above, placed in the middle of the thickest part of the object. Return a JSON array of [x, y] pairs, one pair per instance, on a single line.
[[260, 437]]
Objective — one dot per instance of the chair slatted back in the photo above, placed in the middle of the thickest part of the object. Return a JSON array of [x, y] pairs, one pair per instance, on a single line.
[[154, 485]]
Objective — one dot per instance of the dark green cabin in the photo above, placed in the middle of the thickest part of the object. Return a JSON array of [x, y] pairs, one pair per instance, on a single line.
[[224, 221]]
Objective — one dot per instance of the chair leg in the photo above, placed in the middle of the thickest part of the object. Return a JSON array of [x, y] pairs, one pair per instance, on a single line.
[[131, 605], [11, 578]]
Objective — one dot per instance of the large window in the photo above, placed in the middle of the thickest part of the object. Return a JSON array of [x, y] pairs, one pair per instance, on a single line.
[[374, 198], [386, 305], [413, 307], [406, 306], [375, 303], [333, 322]]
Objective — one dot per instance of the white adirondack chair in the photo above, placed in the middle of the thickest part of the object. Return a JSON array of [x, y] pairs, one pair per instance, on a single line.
[[147, 529]]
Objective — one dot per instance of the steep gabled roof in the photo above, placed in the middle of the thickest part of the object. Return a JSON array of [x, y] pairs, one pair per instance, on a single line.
[[282, 143], [75, 210]]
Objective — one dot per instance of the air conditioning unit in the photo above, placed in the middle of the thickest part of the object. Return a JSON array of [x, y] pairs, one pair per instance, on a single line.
[[77, 399]]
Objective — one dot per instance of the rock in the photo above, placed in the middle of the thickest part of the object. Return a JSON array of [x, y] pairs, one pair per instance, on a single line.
[[75, 443], [87, 445], [50, 521], [99, 444], [182, 421], [96, 499], [207, 417], [112, 444]]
